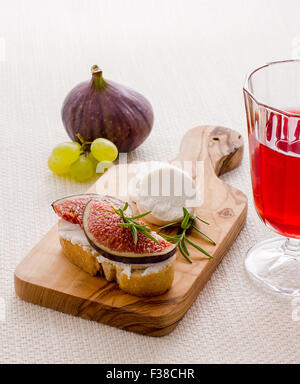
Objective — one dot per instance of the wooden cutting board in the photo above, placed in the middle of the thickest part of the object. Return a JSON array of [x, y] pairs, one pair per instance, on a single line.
[[47, 278]]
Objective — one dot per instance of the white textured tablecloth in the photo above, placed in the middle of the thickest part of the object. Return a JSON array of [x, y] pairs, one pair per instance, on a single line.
[[189, 58]]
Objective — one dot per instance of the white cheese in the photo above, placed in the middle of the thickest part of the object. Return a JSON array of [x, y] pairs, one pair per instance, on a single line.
[[163, 189], [128, 268], [75, 234], [141, 170]]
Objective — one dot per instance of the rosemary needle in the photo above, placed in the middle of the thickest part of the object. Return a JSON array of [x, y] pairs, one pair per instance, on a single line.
[[203, 234], [184, 227], [134, 226]]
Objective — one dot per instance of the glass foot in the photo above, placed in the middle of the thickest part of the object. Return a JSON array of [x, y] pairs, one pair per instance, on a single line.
[[275, 264]]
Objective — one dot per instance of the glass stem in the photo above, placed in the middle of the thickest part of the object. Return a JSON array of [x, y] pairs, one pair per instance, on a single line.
[[291, 247]]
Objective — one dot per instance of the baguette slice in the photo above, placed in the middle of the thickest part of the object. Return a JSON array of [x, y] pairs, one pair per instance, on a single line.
[[153, 284], [81, 256], [138, 283]]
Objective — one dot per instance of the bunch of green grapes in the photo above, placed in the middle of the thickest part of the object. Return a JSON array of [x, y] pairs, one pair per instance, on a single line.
[[71, 158]]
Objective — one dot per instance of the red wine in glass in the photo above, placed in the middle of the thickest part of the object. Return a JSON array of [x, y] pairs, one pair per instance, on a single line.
[[274, 143], [276, 182]]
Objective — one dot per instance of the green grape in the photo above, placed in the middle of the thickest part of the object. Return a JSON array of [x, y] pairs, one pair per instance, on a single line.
[[103, 166], [82, 170], [68, 152], [93, 160], [104, 150], [58, 166]]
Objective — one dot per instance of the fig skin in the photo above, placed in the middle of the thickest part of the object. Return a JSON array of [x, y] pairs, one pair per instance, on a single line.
[[132, 260], [100, 108]]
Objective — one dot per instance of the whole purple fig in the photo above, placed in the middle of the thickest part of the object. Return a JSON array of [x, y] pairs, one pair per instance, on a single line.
[[102, 108]]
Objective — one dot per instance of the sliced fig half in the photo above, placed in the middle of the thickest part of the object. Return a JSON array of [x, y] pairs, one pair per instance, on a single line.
[[71, 208], [102, 227]]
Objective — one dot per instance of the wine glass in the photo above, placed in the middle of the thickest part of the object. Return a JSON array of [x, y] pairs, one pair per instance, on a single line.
[[272, 100]]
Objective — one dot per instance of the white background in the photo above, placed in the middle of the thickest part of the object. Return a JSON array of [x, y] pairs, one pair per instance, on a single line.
[[190, 59]]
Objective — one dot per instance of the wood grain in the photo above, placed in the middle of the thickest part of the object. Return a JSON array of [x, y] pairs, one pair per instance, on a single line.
[[47, 278]]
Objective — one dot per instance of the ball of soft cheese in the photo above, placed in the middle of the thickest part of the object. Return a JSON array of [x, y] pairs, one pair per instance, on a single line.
[[165, 190], [142, 170]]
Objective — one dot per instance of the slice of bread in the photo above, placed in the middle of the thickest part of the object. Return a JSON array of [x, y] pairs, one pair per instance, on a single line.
[[137, 282], [84, 257], [152, 284]]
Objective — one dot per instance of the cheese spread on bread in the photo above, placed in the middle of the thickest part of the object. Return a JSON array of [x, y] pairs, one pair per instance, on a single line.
[[147, 268], [75, 234]]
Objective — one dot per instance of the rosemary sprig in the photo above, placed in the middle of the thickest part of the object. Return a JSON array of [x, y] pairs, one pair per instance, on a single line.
[[184, 228], [135, 226]]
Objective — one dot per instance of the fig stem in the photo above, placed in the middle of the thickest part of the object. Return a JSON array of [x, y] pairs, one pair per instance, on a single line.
[[80, 138], [85, 145], [98, 82]]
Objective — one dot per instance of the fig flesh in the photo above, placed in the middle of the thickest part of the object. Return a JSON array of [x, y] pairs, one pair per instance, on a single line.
[[102, 227], [71, 208]]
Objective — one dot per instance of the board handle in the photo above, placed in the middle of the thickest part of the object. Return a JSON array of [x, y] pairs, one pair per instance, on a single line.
[[222, 147]]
